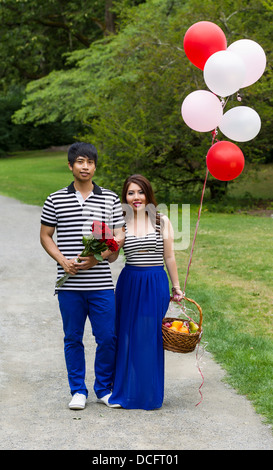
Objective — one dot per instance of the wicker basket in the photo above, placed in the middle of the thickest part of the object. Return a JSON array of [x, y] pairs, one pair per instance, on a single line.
[[181, 342]]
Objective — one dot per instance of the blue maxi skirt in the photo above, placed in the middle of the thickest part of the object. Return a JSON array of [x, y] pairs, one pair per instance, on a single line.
[[142, 299]]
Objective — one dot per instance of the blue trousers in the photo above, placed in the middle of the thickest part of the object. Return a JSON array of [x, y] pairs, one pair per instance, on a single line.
[[99, 306]]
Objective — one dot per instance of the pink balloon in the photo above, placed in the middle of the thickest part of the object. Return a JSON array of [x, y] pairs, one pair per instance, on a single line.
[[202, 111]]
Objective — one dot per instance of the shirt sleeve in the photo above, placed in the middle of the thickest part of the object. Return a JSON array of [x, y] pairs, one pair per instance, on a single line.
[[48, 216], [116, 218]]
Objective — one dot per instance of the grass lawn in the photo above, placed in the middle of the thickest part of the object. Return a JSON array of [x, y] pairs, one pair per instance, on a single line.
[[230, 276], [31, 178]]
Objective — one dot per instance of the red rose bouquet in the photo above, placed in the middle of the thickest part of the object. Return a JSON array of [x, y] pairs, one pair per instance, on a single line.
[[100, 240]]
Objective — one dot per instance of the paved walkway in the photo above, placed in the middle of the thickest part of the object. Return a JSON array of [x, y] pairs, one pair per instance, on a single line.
[[33, 386]]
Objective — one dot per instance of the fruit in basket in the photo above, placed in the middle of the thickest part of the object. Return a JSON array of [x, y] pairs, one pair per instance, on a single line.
[[185, 327], [181, 326], [193, 327], [177, 324]]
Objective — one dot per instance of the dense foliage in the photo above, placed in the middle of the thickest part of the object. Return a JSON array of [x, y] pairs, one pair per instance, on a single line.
[[126, 88]]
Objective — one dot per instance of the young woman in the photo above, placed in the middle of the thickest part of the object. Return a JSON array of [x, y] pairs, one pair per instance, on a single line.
[[142, 299]]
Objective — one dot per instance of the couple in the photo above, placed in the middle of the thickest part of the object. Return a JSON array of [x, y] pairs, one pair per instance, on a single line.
[[129, 360]]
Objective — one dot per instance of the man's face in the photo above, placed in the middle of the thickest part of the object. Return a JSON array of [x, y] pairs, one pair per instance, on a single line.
[[83, 169]]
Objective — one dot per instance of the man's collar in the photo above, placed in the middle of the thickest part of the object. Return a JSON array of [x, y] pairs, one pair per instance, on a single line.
[[96, 188]]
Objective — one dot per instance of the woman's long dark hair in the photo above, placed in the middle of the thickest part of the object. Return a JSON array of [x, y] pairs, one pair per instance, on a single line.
[[151, 203]]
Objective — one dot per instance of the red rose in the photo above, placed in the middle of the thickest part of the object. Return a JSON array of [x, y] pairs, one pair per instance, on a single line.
[[112, 245], [101, 231]]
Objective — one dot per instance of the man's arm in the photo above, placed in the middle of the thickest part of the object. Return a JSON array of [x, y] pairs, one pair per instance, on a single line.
[[47, 242]]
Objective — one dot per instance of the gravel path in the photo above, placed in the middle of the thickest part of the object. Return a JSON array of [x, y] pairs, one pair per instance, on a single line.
[[33, 385]]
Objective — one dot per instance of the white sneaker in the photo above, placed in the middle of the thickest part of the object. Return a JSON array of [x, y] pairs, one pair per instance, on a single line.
[[105, 401], [77, 402]]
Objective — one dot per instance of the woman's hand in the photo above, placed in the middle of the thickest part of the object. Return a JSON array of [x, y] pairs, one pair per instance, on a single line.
[[177, 294]]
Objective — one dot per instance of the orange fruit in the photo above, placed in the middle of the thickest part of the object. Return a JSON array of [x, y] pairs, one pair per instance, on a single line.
[[184, 329], [177, 324]]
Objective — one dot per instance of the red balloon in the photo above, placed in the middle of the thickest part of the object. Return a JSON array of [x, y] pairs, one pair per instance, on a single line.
[[202, 40], [225, 161]]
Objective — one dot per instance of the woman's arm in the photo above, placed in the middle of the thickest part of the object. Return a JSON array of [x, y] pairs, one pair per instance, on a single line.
[[119, 235]]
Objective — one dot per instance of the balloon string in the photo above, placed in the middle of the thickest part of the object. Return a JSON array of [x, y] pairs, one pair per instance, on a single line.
[[183, 307], [196, 229], [214, 134], [198, 361]]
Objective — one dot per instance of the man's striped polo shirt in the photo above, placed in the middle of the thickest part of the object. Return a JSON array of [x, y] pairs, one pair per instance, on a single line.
[[72, 220]]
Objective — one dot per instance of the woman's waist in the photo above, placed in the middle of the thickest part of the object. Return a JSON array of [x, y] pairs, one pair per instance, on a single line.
[[134, 267]]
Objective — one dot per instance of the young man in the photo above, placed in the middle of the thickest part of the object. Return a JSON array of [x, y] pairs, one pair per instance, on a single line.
[[89, 290]]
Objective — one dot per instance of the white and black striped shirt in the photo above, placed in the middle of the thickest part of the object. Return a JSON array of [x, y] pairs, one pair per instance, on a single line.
[[144, 251], [72, 220]]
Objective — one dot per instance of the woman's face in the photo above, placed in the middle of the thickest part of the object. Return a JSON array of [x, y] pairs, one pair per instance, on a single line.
[[135, 197]]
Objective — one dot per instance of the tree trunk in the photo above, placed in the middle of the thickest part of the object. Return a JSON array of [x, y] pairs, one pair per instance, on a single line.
[[109, 18]]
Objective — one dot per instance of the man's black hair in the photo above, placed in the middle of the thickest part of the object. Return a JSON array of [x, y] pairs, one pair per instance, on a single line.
[[84, 150]]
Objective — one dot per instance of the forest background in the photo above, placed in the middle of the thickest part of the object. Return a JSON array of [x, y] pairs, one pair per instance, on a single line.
[[114, 73]]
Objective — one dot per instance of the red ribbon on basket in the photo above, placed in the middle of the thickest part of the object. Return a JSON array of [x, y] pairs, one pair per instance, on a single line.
[[198, 359], [200, 371]]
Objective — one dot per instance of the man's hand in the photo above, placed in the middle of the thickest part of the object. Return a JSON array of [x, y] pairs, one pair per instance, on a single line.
[[70, 266], [87, 262], [51, 248]]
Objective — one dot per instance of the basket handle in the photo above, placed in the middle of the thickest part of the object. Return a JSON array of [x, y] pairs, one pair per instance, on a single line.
[[197, 305]]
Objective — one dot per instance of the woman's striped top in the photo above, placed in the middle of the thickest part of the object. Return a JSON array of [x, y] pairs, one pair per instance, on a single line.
[[144, 251]]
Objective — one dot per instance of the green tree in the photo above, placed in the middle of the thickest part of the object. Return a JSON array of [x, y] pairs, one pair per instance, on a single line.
[[127, 90], [36, 35], [35, 38]]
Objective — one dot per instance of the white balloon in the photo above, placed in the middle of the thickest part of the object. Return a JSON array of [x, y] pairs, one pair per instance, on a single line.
[[240, 124], [253, 57], [224, 73], [202, 111]]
